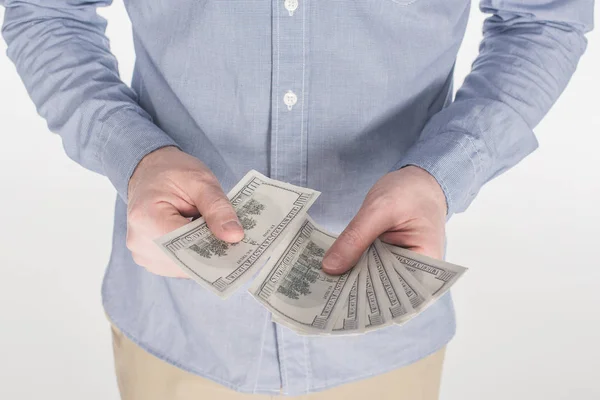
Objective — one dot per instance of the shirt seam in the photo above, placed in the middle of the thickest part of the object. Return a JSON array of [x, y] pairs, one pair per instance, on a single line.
[[106, 131], [476, 167], [470, 139], [451, 198], [262, 346], [465, 134], [283, 358], [308, 366], [302, 165], [276, 166]]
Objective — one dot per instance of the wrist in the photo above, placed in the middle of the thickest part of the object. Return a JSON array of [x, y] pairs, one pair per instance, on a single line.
[[430, 187], [149, 160]]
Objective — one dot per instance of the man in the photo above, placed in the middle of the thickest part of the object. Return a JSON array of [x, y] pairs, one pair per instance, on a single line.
[[352, 98]]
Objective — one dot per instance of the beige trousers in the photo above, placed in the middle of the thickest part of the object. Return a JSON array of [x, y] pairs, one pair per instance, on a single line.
[[142, 376]]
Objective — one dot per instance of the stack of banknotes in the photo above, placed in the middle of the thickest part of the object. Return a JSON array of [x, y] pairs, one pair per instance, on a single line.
[[282, 251]]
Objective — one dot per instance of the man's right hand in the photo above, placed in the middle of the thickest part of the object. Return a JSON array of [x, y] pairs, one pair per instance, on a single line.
[[167, 187]]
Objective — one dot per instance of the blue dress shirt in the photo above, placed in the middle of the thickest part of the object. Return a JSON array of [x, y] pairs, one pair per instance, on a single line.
[[330, 94]]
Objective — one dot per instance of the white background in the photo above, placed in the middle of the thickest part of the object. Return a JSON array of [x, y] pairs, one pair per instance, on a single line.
[[528, 310]]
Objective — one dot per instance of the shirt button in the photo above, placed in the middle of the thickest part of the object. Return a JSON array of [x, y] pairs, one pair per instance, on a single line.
[[291, 6], [290, 99]]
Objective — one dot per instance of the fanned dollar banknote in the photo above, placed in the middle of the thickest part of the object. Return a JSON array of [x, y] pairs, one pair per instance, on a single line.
[[352, 317], [436, 276], [396, 306], [389, 284], [294, 286], [415, 292], [267, 209]]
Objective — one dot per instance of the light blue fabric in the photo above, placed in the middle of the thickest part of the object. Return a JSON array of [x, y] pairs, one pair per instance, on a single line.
[[373, 82]]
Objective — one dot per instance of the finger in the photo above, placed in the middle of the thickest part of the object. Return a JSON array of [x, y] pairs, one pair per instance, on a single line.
[[162, 218], [428, 243], [218, 212], [345, 252]]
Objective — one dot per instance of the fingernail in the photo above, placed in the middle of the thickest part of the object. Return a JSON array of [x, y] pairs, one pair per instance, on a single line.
[[231, 226], [333, 262]]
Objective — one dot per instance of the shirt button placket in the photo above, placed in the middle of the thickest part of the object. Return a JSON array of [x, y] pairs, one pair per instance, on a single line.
[[289, 147], [288, 127]]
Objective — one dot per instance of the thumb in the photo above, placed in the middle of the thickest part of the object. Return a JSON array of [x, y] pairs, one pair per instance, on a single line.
[[218, 212], [355, 240]]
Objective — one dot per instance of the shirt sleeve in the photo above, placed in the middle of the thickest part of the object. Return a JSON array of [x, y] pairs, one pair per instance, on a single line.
[[529, 51], [63, 57]]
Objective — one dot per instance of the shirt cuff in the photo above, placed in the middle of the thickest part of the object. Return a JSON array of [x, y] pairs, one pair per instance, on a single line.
[[129, 137], [452, 159], [468, 143]]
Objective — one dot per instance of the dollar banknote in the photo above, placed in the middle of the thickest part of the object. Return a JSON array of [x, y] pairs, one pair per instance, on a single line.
[[396, 304], [374, 302], [294, 287], [417, 294], [267, 209], [352, 317], [436, 276]]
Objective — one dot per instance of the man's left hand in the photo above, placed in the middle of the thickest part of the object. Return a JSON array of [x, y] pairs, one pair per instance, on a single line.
[[406, 208]]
